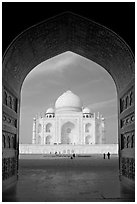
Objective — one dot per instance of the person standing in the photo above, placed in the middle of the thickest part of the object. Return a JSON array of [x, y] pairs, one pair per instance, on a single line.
[[74, 155], [104, 155], [108, 154]]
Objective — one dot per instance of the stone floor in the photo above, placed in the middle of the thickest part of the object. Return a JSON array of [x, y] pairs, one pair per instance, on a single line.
[[87, 179]]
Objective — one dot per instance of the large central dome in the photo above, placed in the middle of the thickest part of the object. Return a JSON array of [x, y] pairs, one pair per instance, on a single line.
[[68, 102]]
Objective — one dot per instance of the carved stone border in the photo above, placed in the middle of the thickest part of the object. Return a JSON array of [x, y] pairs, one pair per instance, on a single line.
[[9, 100], [9, 120], [128, 167], [127, 100], [128, 120], [8, 140], [128, 140]]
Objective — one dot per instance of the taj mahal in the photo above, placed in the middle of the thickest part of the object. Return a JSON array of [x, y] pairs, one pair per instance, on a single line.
[[68, 123], [68, 127]]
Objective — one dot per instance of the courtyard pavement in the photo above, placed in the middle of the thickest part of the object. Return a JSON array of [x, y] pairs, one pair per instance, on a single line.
[[82, 179]]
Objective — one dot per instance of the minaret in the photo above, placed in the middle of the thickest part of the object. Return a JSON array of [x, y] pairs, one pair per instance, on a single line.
[[34, 131], [97, 131], [103, 130]]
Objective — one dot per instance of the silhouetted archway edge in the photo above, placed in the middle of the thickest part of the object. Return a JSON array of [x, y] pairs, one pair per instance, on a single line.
[[68, 32]]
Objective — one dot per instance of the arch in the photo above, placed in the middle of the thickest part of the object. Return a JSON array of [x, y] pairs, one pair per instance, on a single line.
[[67, 133], [81, 36], [88, 139], [48, 139], [98, 37], [48, 127], [88, 127]]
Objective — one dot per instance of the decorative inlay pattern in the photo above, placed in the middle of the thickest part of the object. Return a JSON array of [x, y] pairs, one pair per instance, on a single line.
[[128, 120], [9, 167], [127, 100], [128, 167], [9, 120], [9, 100], [128, 140], [8, 140]]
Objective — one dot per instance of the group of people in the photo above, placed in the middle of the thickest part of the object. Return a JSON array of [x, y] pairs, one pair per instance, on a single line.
[[62, 155], [108, 155], [73, 156]]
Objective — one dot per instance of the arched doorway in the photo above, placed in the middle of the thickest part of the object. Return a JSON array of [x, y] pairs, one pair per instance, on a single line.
[[48, 127], [67, 134], [48, 139], [88, 39], [88, 139], [88, 127]]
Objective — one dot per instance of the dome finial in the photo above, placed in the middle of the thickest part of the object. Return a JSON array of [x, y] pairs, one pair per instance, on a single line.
[[68, 91]]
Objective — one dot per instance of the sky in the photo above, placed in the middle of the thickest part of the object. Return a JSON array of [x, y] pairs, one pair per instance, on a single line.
[[68, 71]]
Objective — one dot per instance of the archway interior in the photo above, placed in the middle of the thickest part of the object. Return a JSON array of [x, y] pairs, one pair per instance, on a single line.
[[68, 133], [68, 71]]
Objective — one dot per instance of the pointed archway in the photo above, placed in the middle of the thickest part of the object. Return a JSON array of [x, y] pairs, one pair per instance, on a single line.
[[67, 133], [68, 32]]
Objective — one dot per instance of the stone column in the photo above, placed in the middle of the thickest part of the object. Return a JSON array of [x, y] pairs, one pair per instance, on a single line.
[[34, 131]]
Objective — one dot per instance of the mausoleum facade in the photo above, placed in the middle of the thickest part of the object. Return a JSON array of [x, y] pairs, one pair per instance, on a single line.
[[68, 123]]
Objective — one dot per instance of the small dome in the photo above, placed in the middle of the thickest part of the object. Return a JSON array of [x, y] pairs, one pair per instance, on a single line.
[[68, 101], [50, 110], [86, 110]]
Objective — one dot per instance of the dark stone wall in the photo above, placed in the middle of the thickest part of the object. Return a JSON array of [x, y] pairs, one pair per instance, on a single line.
[[68, 32], [118, 16]]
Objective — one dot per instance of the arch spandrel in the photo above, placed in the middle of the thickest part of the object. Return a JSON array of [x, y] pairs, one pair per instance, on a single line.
[[68, 32]]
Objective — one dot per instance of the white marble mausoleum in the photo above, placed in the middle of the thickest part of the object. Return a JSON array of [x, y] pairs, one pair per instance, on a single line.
[[68, 127], [68, 123]]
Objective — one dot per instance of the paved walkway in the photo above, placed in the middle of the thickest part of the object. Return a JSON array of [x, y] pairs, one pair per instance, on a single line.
[[78, 180]]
